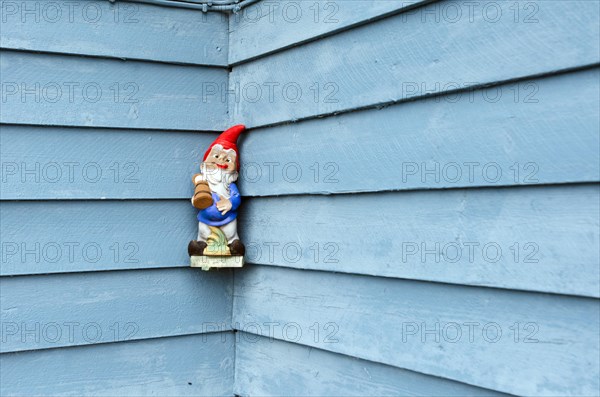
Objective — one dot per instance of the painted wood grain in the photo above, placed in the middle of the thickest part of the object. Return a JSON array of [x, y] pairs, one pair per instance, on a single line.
[[46, 89], [49, 163], [428, 144], [416, 54], [122, 29], [177, 366], [51, 311], [272, 367], [539, 239], [57, 236], [515, 342], [543, 131], [265, 27]]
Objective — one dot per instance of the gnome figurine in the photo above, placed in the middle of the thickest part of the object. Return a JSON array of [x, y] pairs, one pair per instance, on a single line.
[[217, 197]]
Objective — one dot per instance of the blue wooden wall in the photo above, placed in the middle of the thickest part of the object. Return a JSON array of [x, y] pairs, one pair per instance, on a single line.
[[425, 210], [103, 121], [421, 199]]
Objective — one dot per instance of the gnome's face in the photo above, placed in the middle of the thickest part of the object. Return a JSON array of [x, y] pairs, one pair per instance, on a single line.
[[221, 159]]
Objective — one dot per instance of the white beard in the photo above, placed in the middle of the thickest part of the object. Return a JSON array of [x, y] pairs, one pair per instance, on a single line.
[[219, 180]]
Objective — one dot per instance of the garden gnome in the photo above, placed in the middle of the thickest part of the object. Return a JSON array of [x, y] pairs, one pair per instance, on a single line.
[[217, 197]]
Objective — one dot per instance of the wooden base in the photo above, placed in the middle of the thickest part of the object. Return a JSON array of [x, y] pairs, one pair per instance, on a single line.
[[208, 262]]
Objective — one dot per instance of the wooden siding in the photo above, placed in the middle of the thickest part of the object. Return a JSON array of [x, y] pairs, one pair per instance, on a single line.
[[257, 30], [501, 136], [536, 238], [404, 57], [413, 107], [116, 30], [284, 368], [508, 341], [48, 89], [402, 86], [176, 366], [50, 163], [133, 300], [102, 125], [78, 236]]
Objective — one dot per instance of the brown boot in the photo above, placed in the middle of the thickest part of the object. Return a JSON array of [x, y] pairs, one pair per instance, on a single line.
[[196, 248], [237, 248]]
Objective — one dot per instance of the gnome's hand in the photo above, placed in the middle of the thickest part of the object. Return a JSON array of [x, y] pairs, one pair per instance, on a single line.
[[223, 205]]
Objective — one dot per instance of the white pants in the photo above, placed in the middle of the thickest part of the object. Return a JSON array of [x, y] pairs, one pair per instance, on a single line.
[[229, 229]]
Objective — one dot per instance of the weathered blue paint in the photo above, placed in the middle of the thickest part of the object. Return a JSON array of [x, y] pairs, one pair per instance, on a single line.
[[502, 136], [46, 89], [132, 332], [176, 366], [518, 141], [265, 27], [121, 30], [111, 307], [377, 53], [81, 236], [536, 238], [538, 125], [284, 368], [385, 320], [90, 163], [147, 331], [403, 57]]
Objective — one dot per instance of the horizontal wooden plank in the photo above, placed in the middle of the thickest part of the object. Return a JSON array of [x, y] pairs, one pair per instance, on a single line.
[[519, 147], [58, 237], [515, 342], [121, 29], [543, 131], [540, 239], [265, 27], [271, 367], [51, 311], [421, 55], [46, 89], [80, 163], [180, 366]]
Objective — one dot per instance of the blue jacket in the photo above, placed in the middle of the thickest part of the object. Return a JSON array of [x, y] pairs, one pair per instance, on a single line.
[[212, 216]]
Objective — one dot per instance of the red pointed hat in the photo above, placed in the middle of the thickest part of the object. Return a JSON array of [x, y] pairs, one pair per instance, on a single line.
[[228, 140]]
